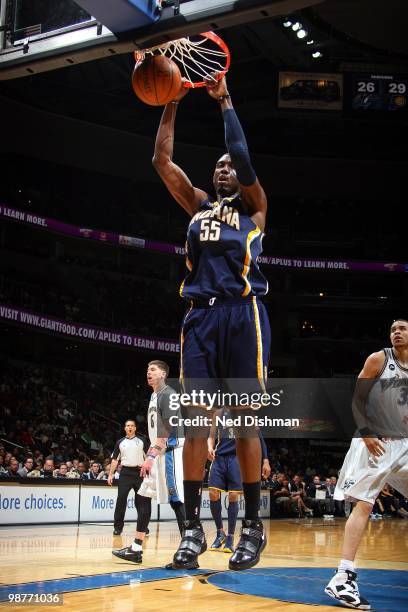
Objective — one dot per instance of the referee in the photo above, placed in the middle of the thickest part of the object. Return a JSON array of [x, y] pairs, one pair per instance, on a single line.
[[130, 451]]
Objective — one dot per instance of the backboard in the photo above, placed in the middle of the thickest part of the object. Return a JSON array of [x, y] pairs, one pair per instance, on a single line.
[[41, 35]]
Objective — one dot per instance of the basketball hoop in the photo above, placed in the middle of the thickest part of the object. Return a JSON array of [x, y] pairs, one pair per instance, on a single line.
[[198, 57]]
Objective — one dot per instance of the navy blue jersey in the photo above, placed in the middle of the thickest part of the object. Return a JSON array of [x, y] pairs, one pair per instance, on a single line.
[[226, 440], [222, 248], [225, 436]]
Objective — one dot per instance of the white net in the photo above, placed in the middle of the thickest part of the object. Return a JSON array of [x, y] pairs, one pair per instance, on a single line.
[[197, 57]]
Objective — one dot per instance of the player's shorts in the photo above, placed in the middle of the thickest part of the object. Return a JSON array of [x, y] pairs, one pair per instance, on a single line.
[[165, 482], [225, 474], [174, 474], [363, 476], [225, 339]]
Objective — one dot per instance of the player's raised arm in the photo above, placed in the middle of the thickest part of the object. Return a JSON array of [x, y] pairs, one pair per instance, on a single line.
[[176, 181], [252, 192]]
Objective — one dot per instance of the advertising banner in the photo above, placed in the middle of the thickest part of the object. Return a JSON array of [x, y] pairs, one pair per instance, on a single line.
[[98, 504], [134, 242], [86, 332], [310, 90], [38, 504]]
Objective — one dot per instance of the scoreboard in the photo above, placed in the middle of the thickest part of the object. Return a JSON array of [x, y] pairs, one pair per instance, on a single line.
[[384, 92]]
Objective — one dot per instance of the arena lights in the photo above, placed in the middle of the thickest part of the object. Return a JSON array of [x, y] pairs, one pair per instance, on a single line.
[[296, 26], [287, 23], [301, 33], [317, 54], [310, 42]]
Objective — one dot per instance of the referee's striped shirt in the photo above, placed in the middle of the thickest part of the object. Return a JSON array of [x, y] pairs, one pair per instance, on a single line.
[[130, 451]]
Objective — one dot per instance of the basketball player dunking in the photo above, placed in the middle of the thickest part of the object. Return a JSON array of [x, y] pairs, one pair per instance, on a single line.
[[378, 456], [225, 333]]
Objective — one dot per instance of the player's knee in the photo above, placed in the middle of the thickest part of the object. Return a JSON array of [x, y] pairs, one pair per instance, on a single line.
[[364, 507], [214, 495], [233, 497]]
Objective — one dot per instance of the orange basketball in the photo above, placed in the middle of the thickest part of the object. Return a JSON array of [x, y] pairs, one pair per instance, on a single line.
[[157, 80]]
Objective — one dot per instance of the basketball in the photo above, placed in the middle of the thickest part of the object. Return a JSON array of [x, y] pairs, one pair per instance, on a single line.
[[157, 80]]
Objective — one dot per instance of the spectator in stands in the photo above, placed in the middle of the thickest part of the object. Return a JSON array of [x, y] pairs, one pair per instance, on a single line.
[[297, 494], [402, 504], [2, 468], [26, 437], [13, 467], [38, 464], [104, 473], [61, 472], [329, 498], [387, 501], [316, 497], [27, 467], [48, 469], [94, 471], [280, 495], [82, 471]]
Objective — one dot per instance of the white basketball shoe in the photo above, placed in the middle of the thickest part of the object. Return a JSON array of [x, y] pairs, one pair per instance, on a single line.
[[343, 587]]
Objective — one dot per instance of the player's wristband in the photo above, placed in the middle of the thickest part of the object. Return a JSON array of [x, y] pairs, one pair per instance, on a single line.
[[367, 433], [221, 98], [153, 457]]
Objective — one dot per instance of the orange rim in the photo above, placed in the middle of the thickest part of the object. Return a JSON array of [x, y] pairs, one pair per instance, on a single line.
[[140, 55]]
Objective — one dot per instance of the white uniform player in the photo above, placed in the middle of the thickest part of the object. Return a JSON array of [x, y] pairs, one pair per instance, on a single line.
[[163, 467], [377, 456], [165, 482], [363, 476]]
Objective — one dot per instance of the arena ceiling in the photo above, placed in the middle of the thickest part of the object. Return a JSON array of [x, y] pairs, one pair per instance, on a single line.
[[352, 35]]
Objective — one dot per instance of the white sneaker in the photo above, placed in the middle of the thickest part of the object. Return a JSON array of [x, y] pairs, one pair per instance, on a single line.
[[343, 587]]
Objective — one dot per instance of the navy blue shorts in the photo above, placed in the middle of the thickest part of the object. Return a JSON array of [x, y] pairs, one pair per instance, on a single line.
[[227, 339], [225, 474]]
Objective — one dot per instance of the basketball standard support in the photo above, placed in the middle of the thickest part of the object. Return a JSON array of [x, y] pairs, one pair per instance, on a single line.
[[122, 15], [90, 42]]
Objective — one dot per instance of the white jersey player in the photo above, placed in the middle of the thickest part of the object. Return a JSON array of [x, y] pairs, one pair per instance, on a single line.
[[377, 455], [163, 467]]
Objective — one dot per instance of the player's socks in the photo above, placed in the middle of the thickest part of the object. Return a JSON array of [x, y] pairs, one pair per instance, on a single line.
[[252, 495], [345, 564], [251, 543], [179, 511], [192, 499], [343, 588], [216, 513], [232, 517], [137, 545], [192, 544]]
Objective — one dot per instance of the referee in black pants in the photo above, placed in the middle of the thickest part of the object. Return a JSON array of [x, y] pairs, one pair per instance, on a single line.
[[130, 451]]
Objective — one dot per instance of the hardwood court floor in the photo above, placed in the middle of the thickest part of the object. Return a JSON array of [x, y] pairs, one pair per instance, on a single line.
[[38, 553]]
